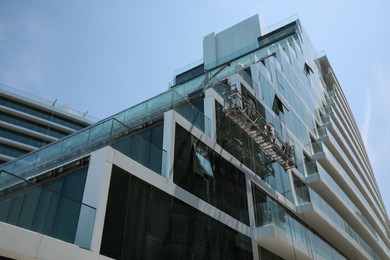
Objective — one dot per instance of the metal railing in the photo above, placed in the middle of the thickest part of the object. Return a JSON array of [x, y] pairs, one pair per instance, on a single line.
[[37, 208], [244, 113]]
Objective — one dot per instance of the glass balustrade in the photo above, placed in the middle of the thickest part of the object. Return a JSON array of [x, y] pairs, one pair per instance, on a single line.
[[268, 211], [340, 168], [40, 209], [328, 180], [328, 211], [104, 133]]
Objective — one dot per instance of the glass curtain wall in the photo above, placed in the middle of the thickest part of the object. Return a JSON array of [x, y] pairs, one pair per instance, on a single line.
[[143, 222]]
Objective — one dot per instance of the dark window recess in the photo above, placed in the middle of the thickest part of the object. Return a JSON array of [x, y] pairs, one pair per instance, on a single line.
[[248, 71], [252, 105], [307, 70], [260, 202], [190, 74], [279, 34], [204, 173], [143, 222], [195, 95], [265, 254], [278, 105]]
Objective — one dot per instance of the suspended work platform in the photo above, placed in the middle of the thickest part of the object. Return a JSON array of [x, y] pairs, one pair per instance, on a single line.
[[245, 115]]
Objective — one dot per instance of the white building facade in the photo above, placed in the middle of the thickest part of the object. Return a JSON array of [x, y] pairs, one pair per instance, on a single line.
[[251, 154], [28, 122]]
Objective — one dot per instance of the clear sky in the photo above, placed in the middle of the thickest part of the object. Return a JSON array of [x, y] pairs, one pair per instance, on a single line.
[[104, 56]]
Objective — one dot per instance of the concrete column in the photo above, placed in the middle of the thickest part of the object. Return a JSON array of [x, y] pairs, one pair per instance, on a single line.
[[96, 189]]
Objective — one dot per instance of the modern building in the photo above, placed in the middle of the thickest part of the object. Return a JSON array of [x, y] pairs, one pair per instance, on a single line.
[[28, 122], [251, 154]]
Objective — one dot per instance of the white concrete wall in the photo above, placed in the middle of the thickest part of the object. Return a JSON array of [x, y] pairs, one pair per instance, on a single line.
[[19, 243], [231, 41]]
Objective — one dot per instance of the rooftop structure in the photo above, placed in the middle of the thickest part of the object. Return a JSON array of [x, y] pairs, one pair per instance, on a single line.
[[251, 154]]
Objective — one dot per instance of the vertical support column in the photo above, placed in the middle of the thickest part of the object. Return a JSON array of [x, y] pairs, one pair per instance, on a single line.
[[293, 193], [256, 78], [168, 145], [251, 213], [209, 112], [90, 226]]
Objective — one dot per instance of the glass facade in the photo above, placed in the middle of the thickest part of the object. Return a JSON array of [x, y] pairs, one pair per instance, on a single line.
[[248, 146], [22, 138], [144, 147], [32, 126], [11, 151], [32, 122], [225, 188], [51, 207], [264, 254], [52, 117], [269, 211], [143, 222]]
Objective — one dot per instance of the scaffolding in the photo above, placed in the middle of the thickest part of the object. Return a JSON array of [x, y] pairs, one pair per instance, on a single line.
[[260, 161], [245, 115]]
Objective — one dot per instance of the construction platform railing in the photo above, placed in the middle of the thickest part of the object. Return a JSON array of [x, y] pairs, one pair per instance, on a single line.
[[244, 113]]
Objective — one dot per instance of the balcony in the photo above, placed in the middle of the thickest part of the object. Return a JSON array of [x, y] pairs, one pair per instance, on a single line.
[[320, 215], [277, 228], [320, 181], [329, 76]]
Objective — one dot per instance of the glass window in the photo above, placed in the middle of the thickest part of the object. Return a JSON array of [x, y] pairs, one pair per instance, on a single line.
[[52, 210], [22, 138], [269, 211], [144, 147], [202, 161], [277, 106], [143, 222], [32, 125], [307, 70], [11, 151], [264, 254], [301, 191], [204, 173], [50, 116]]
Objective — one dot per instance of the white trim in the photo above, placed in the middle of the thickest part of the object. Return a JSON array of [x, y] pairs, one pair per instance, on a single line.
[[145, 174], [95, 195]]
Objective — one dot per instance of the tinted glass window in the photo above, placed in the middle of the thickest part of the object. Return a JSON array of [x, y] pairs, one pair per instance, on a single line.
[[40, 113], [32, 126], [22, 138], [144, 147], [212, 178], [143, 222], [53, 211], [11, 151], [264, 254]]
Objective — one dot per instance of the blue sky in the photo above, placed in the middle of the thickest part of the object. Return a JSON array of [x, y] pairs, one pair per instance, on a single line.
[[105, 56]]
